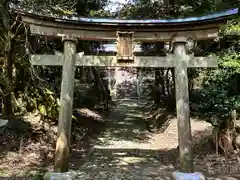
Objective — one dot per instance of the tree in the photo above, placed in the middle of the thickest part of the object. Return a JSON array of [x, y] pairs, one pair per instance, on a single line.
[[220, 92], [7, 38]]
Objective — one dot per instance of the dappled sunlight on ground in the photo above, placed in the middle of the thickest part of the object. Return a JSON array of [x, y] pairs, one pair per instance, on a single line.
[[119, 148], [128, 148]]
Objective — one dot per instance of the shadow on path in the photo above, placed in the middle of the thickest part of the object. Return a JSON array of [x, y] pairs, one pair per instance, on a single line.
[[126, 123], [124, 128]]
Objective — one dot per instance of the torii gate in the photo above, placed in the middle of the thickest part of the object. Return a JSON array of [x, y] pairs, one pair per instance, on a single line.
[[126, 32]]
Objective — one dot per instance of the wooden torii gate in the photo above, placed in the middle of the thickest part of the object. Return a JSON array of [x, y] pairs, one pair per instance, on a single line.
[[126, 32]]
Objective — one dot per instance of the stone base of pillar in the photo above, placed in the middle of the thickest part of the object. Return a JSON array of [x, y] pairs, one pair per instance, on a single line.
[[187, 176], [71, 175], [3, 122]]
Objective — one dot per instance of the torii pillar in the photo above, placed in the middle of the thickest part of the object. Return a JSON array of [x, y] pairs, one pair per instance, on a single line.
[[66, 104], [182, 105]]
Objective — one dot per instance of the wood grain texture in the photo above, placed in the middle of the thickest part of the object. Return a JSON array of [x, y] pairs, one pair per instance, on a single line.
[[143, 36], [139, 61], [182, 107], [66, 104]]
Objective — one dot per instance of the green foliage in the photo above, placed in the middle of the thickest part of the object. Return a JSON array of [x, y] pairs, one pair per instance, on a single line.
[[34, 88], [65, 7], [221, 89], [48, 104], [220, 92], [201, 7], [42, 100], [232, 28], [4, 23], [231, 61], [146, 10]]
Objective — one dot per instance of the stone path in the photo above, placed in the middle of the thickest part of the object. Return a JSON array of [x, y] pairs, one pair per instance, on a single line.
[[126, 150]]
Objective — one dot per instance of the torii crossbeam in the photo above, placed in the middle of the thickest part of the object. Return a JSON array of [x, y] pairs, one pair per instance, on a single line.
[[111, 61], [126, 32]]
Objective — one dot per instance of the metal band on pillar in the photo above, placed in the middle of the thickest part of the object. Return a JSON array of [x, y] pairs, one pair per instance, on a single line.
[[66, 103], [182, 104]]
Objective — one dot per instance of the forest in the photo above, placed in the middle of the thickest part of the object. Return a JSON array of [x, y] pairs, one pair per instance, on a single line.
[[30, 94]]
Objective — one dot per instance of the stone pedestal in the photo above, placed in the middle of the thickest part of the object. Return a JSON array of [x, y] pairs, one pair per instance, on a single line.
[[60, 176], [3, 122], [187, 176]]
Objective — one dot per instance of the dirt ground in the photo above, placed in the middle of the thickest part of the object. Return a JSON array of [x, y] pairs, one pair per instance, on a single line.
[[27, 146]]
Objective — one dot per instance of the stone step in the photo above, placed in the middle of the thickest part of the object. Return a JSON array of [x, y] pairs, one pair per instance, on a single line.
[[83, 174]]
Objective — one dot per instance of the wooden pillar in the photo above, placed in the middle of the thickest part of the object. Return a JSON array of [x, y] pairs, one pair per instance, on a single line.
[[182, 106], [138, 85], [140, 81], [114, 88], [109, 79], [66, 103], [84, 74]]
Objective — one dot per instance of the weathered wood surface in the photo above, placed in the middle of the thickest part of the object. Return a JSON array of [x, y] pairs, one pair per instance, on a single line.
[[125, 46], [144, 23], [203, 27], [99, 34], [66, 104], [182, 107], [139, 81], [111, 61]]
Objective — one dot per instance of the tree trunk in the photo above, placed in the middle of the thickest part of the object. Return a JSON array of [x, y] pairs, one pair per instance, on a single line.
[[8, 68], [8, 65], [156, 87], [104, 96], [168, 82], [173, 78]]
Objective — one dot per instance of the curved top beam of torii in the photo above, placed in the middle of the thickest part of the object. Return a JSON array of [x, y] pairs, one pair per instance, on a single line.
[[71, 19], [204, 27]]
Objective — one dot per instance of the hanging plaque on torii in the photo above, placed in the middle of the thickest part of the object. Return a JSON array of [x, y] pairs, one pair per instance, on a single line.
[[125, 47]]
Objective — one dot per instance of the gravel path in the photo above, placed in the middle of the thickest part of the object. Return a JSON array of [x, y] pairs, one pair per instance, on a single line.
[[126, 150], [126, 147]]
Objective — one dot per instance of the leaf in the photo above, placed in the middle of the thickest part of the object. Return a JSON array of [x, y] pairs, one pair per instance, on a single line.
[[47, 91], [42, 110], [74, 117]]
